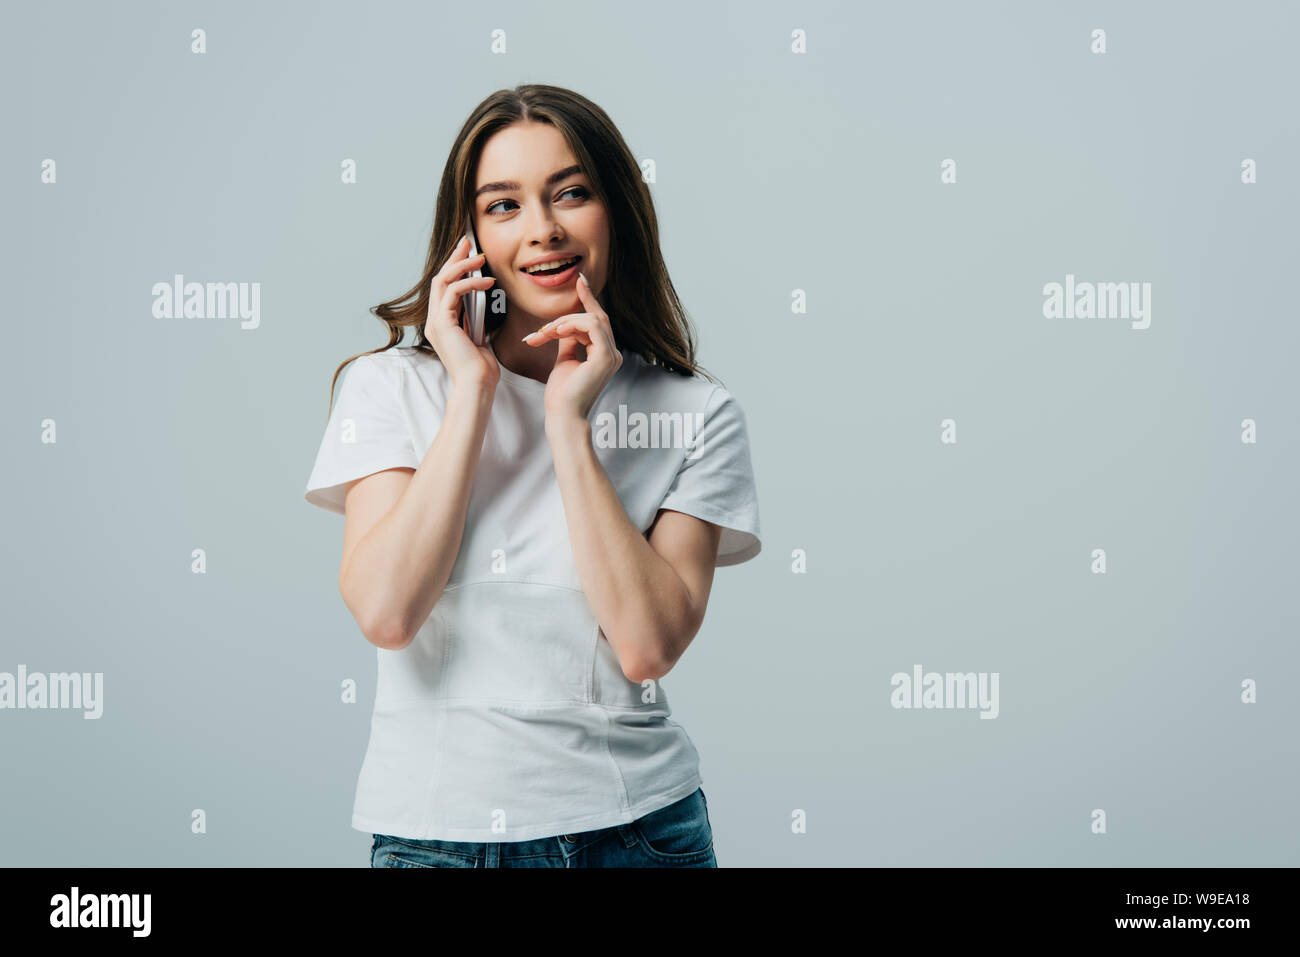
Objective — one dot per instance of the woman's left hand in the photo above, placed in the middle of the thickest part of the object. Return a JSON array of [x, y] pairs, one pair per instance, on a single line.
[[575, 384]]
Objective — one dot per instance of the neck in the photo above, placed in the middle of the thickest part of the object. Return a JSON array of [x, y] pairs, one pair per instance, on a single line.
[[533, 362]]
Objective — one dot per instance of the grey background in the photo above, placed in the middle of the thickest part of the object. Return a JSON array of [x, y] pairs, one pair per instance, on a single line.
[[775, 172]]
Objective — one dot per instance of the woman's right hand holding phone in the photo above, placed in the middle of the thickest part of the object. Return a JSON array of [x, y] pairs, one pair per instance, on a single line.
[[466, 363]]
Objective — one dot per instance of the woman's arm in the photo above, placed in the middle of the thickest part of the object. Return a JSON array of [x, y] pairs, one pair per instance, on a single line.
[[402, 529], [649, 596]]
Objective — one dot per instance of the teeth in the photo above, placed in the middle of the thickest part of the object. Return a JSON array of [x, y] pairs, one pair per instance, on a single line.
[[552, 265]]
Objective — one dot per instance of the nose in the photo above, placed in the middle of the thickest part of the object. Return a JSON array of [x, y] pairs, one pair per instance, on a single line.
[[542, 226]]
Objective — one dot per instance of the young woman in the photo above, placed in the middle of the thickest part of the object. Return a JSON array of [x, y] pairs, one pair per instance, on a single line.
[[532, 524]]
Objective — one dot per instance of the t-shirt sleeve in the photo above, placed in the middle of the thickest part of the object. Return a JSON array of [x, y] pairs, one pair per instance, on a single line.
[[366, 433], [715, 481]]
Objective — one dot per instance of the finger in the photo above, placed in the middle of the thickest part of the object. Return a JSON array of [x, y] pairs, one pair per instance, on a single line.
[[460, 247], [587, 328], [451, 296], [568, 350], [588, 297], [594, 309], [543, 334], [557, 329], [565, 332], [463, 265], [453, 266]]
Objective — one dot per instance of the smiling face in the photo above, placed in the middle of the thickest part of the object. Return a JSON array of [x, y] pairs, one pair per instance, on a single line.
[[532, 204]]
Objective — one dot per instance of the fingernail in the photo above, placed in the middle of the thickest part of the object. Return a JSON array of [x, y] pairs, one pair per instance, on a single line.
[[527, 337], [583, 278]]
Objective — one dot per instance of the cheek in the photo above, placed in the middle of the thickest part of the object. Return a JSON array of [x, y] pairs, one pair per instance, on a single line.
[[595, 226]]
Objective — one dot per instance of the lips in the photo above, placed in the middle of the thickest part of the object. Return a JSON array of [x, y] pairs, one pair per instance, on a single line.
[[547, 262], [558, 279]]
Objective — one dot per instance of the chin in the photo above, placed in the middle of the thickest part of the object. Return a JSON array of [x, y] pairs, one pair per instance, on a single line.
[[552, 310]]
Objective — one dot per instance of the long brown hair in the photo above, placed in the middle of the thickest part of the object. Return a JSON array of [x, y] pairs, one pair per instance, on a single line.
[[647, 317]]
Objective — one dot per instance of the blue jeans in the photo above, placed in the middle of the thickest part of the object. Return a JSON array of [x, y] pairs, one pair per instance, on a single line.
[[678, 835]]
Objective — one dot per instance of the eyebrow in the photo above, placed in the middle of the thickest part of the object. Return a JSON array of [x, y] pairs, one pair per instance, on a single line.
[[507, 185]]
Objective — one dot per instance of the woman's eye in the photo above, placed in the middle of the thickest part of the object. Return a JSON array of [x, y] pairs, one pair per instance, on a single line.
[[580, 190]]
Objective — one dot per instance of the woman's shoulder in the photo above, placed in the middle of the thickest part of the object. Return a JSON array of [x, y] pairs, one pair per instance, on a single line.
[[408, 355], [397, 358], [657, 382]]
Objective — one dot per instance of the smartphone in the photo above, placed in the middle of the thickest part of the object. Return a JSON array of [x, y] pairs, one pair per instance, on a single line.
[[473, 305]]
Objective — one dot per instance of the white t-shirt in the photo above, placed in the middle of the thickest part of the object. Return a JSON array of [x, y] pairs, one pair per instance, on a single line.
[[508, 716]]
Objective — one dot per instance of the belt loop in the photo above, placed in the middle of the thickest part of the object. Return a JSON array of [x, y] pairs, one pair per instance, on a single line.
[[627, 834]]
